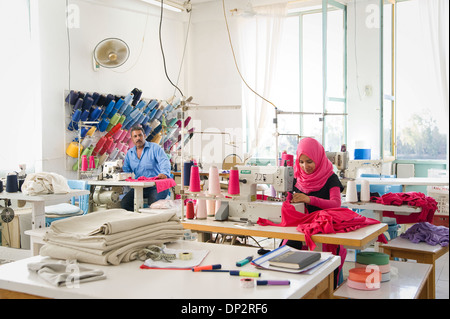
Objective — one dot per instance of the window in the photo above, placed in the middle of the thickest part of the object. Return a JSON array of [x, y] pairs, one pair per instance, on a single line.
[[18, 88], [311, 101], [421, 71]]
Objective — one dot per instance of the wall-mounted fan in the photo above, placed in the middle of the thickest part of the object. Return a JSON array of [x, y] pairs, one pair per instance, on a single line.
[[7, 215], [110, 53]]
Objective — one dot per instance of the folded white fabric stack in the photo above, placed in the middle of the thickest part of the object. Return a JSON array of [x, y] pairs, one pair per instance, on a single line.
[[109, 237]]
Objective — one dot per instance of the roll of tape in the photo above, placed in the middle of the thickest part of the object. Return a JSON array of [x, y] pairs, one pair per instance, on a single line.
[[361, 285], [364, 275], [185, 256], [382, 268], [247, 283], [372, 257]]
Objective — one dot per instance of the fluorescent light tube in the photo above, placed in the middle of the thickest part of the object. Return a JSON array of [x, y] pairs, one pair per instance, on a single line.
[[166, 5]]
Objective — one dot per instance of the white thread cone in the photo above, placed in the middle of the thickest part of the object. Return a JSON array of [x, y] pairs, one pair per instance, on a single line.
[[351, 195], [213, 181], [365, 191], [201, 209]]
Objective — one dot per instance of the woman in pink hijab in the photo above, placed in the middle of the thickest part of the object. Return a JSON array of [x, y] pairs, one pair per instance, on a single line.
[[315, 183]]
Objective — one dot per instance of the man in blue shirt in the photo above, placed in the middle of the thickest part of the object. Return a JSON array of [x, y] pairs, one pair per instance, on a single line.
[[145, 159]]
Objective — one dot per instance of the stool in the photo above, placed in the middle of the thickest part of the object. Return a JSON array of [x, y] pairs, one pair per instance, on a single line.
[[422, 252]]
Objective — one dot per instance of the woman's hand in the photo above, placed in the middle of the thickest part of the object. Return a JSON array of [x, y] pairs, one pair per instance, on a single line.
[[161, 176], [300, 198]]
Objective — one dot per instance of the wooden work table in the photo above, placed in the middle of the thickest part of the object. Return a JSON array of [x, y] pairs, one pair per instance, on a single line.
[[359, 238]]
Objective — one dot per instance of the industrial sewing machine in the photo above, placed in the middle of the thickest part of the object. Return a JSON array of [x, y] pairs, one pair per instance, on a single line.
[[246, 207], [351, 169], [113, 170], [107, 196]]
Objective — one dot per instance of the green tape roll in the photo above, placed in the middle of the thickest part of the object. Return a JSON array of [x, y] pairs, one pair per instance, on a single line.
[[372, 258]]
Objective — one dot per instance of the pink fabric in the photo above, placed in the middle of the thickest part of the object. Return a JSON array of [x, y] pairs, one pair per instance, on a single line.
[[324, 168], [161, 184], [416, 199], [334, 201], [326, 221]]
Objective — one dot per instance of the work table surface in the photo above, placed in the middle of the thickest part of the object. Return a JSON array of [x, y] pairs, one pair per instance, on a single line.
[[129, 281]]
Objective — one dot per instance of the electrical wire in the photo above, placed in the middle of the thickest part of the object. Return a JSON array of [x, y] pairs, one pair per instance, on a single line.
[[162, 50], [184, 49], [234, 58], [68, 39]]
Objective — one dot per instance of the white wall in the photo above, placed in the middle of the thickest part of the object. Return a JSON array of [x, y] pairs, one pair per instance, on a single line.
[[363, 69], [99, 20], [209, 72]]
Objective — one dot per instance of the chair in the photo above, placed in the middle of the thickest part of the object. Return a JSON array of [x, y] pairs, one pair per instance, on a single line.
[[79, 205]]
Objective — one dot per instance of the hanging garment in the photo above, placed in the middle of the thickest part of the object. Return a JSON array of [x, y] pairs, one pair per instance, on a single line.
[[416, 199]]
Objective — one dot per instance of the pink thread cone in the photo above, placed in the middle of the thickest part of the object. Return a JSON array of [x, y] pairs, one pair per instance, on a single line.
[[91, 162], [213, 181], [233, 182], [194, 184], [84, 163]]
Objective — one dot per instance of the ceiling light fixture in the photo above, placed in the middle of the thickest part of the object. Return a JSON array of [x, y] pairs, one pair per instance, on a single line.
[[169, 5]]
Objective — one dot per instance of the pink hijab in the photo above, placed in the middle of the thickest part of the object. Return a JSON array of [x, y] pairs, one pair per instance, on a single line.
[[324, 168]]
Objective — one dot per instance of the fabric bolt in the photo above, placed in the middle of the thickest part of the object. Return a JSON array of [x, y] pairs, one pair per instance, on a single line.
[[426, 232], [110, 237], [416, 199], [324, 168]]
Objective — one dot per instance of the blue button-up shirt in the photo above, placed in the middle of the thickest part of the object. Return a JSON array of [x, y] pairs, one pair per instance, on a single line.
[[153, 161]]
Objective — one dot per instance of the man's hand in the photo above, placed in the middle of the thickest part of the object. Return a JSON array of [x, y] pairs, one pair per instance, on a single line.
[[161, 176]]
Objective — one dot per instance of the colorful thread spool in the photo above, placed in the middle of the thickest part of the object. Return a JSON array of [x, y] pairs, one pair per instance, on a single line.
[[233, 182], [91, 162], [194, 181], [210, 207], [102, 159], [12, 184], [190, 210], [187, 172], [201, 209], [72, 149], [214, 182], [287, 159], [84, 163]]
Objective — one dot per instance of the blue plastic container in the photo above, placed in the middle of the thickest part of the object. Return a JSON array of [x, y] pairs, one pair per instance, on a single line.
[[362, 154]]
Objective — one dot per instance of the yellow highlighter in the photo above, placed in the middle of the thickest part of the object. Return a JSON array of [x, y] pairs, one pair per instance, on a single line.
[[244, 273]]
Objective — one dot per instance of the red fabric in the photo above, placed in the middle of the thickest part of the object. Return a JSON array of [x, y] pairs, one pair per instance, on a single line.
[[326, 221], [416, 199], [308, 183], [161, 184]]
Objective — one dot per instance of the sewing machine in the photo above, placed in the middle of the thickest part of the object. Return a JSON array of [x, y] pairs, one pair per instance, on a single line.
[[245, 206], [113, 170], [340, 160], [351, 169], [369, 166]]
